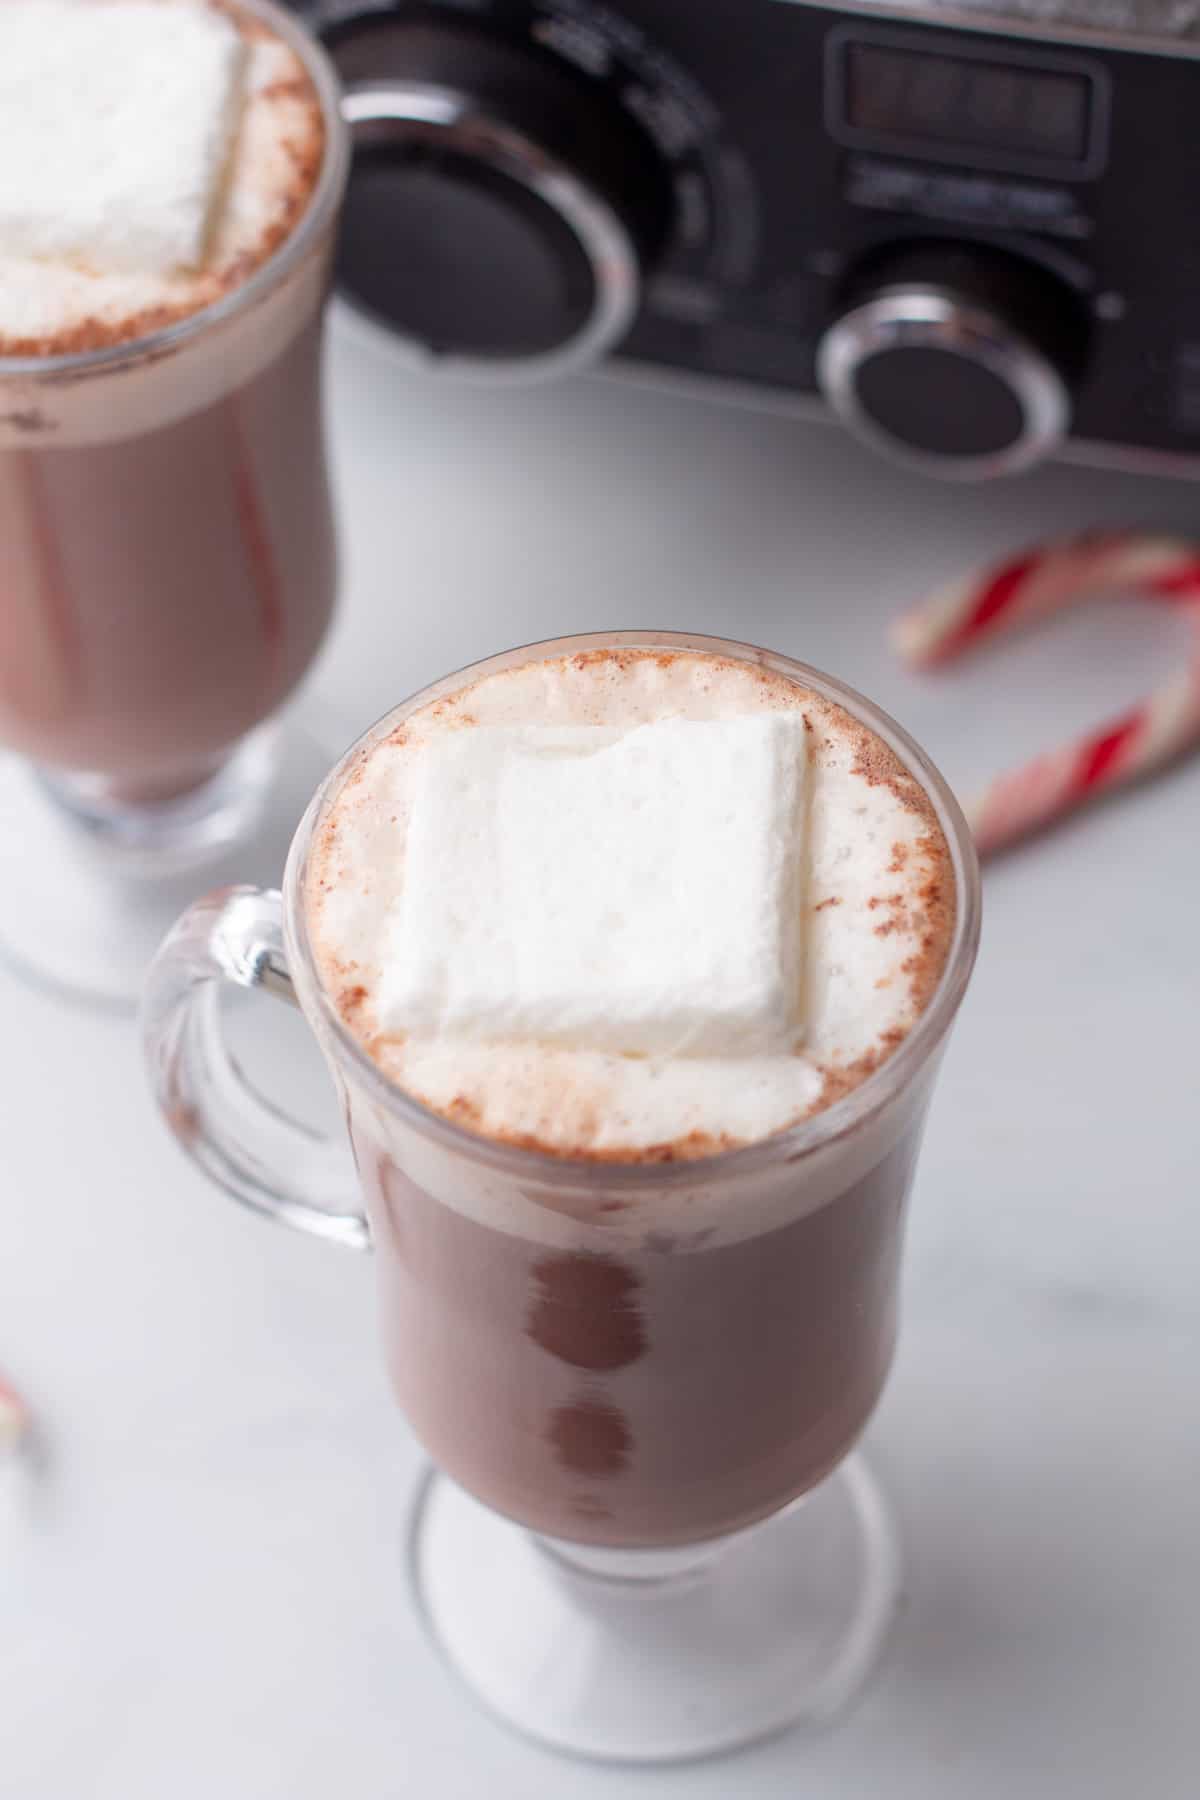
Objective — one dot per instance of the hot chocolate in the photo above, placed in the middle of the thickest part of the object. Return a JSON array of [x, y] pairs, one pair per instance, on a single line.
[[632, 957], [666, 1363], [169, 557]]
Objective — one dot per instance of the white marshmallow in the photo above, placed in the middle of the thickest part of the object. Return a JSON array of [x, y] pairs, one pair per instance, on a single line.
[[636, 892], [116, 123]]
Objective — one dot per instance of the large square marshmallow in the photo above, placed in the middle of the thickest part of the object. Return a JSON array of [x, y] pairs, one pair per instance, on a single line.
[[116, 122], [638, 893]]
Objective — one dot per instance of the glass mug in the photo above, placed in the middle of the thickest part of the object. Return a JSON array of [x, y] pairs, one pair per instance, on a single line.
[[641, 1382], [169, 575]]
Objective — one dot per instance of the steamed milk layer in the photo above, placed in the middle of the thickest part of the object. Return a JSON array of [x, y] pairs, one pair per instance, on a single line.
[[877, 896], [52, 306]]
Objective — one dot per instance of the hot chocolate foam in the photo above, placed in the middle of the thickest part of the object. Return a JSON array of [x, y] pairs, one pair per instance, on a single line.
[[52, 305], [879, 901]]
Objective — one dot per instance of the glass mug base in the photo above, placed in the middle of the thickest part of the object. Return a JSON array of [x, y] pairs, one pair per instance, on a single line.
[[660, 1657], [88, 888]]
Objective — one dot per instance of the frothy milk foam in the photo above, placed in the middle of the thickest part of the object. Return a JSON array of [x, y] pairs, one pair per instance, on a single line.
[[875, 893]]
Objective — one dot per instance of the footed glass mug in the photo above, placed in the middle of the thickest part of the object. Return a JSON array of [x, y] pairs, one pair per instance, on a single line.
[[169, 574], [641, 1383]]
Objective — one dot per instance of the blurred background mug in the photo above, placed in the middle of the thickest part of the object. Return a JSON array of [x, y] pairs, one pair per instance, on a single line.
[[169, 547]]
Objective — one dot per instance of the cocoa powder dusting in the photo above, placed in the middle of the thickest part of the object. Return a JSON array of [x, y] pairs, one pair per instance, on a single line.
[[939, 901], [877, 765], [351, 998], [838, 1080]]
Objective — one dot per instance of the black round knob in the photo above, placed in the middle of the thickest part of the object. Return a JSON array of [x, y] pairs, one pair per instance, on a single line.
[[956, 359], [502, 209]]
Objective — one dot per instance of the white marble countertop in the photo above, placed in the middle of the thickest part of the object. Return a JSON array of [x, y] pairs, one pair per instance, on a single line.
[[210, 1599]]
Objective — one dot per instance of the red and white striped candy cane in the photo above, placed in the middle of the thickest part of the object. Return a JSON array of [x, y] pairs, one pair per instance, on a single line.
[[14, 1417], [1041, 581]]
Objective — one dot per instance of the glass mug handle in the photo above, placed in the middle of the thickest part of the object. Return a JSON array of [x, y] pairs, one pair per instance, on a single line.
[[271, 1162]]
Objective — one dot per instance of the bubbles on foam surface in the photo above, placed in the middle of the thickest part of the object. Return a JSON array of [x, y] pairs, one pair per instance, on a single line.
[[879, 908]]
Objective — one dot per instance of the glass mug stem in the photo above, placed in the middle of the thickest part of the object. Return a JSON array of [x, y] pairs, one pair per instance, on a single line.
[[159, 834], [272, 1163]]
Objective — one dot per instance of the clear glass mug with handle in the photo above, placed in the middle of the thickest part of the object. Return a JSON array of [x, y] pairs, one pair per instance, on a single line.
[[641, 1384]]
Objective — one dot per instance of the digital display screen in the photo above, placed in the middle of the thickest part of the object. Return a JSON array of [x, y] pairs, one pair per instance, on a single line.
[[967, 101]]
